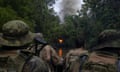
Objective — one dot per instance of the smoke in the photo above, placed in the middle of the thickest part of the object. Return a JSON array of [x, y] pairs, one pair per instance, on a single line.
[[67, 7]]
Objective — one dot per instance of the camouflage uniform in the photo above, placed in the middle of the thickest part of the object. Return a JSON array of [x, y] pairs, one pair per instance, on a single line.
[[45, 51], [16, 37], [104, 56], [49, 55]]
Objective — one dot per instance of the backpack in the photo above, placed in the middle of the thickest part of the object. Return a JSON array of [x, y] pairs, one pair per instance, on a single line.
[[95, 62], [9, 64], [100, 62]]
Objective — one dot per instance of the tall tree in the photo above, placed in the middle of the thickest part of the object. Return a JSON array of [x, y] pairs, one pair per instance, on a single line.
[[101, 14]]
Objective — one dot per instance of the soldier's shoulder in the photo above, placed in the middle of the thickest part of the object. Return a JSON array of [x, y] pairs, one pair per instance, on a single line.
[[37, 63]]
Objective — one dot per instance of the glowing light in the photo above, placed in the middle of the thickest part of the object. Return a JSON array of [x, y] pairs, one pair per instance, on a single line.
[[60, 40]]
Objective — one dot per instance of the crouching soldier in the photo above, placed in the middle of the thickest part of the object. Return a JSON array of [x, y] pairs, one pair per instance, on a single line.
[[14, 55], [103, 56]]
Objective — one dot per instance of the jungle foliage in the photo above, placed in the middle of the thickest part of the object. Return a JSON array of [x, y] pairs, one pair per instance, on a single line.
[[95, 16]]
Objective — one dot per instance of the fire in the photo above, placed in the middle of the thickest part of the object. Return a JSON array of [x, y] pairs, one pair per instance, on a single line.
[[60, 53]]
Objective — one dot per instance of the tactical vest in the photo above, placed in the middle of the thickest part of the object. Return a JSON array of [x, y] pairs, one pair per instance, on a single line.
[[94, 63], [100, 63], [9, 64]]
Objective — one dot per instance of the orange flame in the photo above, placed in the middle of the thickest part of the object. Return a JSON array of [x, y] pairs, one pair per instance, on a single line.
[[60, 52]]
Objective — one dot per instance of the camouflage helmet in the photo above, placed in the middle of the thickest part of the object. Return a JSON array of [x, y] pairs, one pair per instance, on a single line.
[[108, 38], [16, 33]]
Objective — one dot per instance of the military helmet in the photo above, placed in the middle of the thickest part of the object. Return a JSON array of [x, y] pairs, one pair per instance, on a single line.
[[108, 38], [16, 33]]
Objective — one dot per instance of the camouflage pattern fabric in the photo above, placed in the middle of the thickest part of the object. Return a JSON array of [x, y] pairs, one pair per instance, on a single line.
[[94, 63], [16, 33], [104, 56], [16, 36], [108, 38], [35, 65], [99, 62], [22, 63], [7, 65], [49, 55], [73, 64]]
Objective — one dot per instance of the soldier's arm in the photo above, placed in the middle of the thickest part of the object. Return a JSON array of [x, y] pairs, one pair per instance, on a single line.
[[75, 52], [48, 53], [56, 59]]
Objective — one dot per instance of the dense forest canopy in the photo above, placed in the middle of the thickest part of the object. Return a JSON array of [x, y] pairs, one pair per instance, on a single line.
[[95, 16]]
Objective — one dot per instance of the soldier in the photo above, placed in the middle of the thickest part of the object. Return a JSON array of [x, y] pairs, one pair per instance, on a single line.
[[72, 57], [14, 55], [80, 44], [104, 55], [47, 52]]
